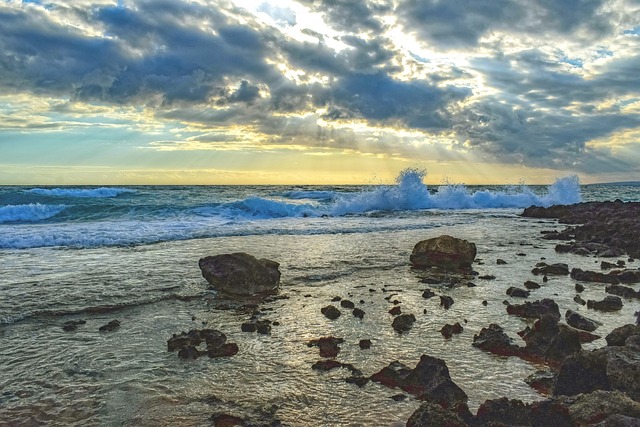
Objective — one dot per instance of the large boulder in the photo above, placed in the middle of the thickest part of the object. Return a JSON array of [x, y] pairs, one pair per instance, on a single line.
[[240, 273], [445, 252]]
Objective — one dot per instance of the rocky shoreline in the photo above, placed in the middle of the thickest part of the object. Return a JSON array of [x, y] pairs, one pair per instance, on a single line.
[[598, 386]]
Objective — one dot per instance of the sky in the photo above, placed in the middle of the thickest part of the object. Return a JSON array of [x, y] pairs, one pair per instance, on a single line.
[[318, 92]]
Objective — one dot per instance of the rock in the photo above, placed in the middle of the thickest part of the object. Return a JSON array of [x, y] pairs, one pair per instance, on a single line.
[[593, 276], [240, 274], [558, 269], [551, 341], [609, 303], [226, 420], [263, 327], [579, 300], [347, 304], [607, 368], [225, 350], [446, 301], [628, 276], [617, 420], [619, 336], [535, 309], [403, 323], [429, 380], [328, 346], [428, 293], [494, 340], [357, 380], [72, 325], [447, 330], [503, 412], [531, 285], [395, 311], [580, 322], [187, 344], [330, 312], [623, 291], [487, 277], [364, 344], [541, 381], [501, 262], [604, 265], [517, 292], [579, 287], [358, 312], [432, 415], [445, 252], [110, 327], [590, 408], [248, 327]]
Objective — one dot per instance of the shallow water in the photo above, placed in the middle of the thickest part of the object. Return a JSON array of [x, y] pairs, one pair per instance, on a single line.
[[127, 377]]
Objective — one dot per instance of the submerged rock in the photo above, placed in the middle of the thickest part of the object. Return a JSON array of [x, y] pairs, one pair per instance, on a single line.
[[494, 340], [240, 273], [535, 309], [328, 346], [448, 331], [110, 327], [330, 312], [609, 303], [445, 252], [187, 344]]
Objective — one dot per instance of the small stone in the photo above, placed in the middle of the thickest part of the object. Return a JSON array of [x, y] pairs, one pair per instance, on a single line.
[[446, 301], [579, 300], [111, 326], [347, 304], [403, 323], [357, 312], [399, 397], [517, 292], [531, 285], [579, 287], [428, 293], [365, 344], [484, 302], [395, 311], [335, 299], [500, 261], [331, 312], [248, 327]]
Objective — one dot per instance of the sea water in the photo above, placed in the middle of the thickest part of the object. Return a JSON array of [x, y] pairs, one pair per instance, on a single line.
[[131, 253]]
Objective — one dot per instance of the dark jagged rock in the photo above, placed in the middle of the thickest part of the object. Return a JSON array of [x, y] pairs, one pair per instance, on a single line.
[[623, 291], [628, 276], [330, 312], [263, 327], [550, 340], [606, 228], [110, 327], [429, 380], [607, 368], [517, 292], [446, 301], [579, 300], [403, 322], [531, 285], [240, 273], [494, 340], [594, 276], [433, 415], [248, 327], [445, 252], [535, 309], [328, 346], [618, 336], [558, 269], [358, 312], [579, 287], [542, 381], [448, 331], [187, 344], [609, 303], [580, 322]]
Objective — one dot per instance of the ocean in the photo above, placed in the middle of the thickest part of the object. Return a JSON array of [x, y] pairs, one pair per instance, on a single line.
[[131, 253]]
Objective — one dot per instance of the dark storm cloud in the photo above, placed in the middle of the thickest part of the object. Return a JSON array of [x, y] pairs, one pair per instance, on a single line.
[[461, 23], [543, 115], [151, 50]]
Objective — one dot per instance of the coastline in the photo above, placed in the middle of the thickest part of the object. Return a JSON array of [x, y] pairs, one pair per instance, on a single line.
[[276, 369]]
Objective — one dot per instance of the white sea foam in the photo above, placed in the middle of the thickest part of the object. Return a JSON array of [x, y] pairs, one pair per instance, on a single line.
[[29, 213], [103, 192]]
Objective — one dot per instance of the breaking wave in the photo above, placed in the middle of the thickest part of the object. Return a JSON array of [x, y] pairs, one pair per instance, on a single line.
[[32, 212], [103, 192]]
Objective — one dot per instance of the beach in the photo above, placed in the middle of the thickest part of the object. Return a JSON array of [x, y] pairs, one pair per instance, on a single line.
[[331, 245]]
